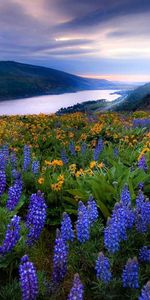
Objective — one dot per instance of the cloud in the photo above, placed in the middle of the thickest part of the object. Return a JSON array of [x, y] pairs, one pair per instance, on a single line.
[[71, 35]]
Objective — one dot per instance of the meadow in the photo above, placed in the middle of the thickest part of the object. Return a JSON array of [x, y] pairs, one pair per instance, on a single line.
[[74, 206]]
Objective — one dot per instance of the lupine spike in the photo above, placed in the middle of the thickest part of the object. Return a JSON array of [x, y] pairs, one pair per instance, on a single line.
[[102, 268], [14, 194], [83, 224], [145, 293], [76, 292], [59, 259], [28, 279], [2, 182], [36, 217], [12, 235], [98, 149], [72, 149], [142, 165], [27, 158], [64, 157], [142, 213], [92, 210], [144, 254], [130, 275], [125, 196], [67, 232], [35, 167], [83, 148]]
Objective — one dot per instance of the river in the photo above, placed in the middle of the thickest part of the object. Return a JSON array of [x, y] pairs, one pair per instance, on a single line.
[[51, 103]]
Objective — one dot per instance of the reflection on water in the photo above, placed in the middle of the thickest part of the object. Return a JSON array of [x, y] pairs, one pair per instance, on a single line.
[[50, 104]]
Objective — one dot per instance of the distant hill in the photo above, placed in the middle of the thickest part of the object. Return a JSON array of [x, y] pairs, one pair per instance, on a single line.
[[18, 80], [137, 99]]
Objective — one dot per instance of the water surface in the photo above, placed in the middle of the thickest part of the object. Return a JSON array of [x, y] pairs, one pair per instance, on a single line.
[[52, 103]]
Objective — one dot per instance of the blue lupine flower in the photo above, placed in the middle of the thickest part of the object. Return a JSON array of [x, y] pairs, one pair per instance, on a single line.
[[125, 196], [144, 254], [92, 210], [76, 292], [142, 165], [72, 149], [145, 293], [116, 230], [102, 268], [142, 213], [130, 275], [83, 224], [15, 174], [59, 259], [116, 152], [67, 232], [111, 236], [98, 149], [2, 161], [141, 185], [13, 160], [141, 123], [28, 279], [12, 235], [36, 217], [27, 157], [64, 157], [83, 148], [2, 182], [14, 194], [35, 167]]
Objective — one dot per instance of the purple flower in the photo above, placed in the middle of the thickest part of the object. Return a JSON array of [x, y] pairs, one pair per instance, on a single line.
[[116, 152], [145, 293], [102, 268], [36, 217], [144, 254], [125, 196], [28, 279], [130, 275], [142, 165], [92, 210], [27, 157], [64, 157], [35, 167], [12, 235], [116, 230], [142, 213], [14, 194], [98, 149], [83, 148], [67, 232], [83, 224], [13, 160], [59, 259], [76, 292], [2, 182], [72, 149]]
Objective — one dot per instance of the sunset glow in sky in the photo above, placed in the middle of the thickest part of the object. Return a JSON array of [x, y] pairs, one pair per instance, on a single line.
[[96, 38]]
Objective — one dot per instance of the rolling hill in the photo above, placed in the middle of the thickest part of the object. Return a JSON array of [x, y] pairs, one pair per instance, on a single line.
[[137, 99], [18, 80]]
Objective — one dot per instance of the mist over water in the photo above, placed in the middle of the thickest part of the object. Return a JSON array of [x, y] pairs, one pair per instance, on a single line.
[[51, 103]]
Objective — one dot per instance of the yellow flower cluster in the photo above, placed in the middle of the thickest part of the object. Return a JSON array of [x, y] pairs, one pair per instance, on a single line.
[[97, 128], [55, 162], [58, 185]]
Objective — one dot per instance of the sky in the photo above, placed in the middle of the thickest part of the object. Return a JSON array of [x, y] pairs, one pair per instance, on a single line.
[[93, 38]]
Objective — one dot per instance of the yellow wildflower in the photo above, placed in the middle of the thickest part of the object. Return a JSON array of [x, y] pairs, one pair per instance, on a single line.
[[92, 164], [41, 180]]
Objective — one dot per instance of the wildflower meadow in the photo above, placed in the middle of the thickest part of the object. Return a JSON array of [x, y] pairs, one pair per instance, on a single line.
[[74, 207]]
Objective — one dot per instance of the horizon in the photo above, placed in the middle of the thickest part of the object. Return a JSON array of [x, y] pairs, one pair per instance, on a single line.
[[100, 39]]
